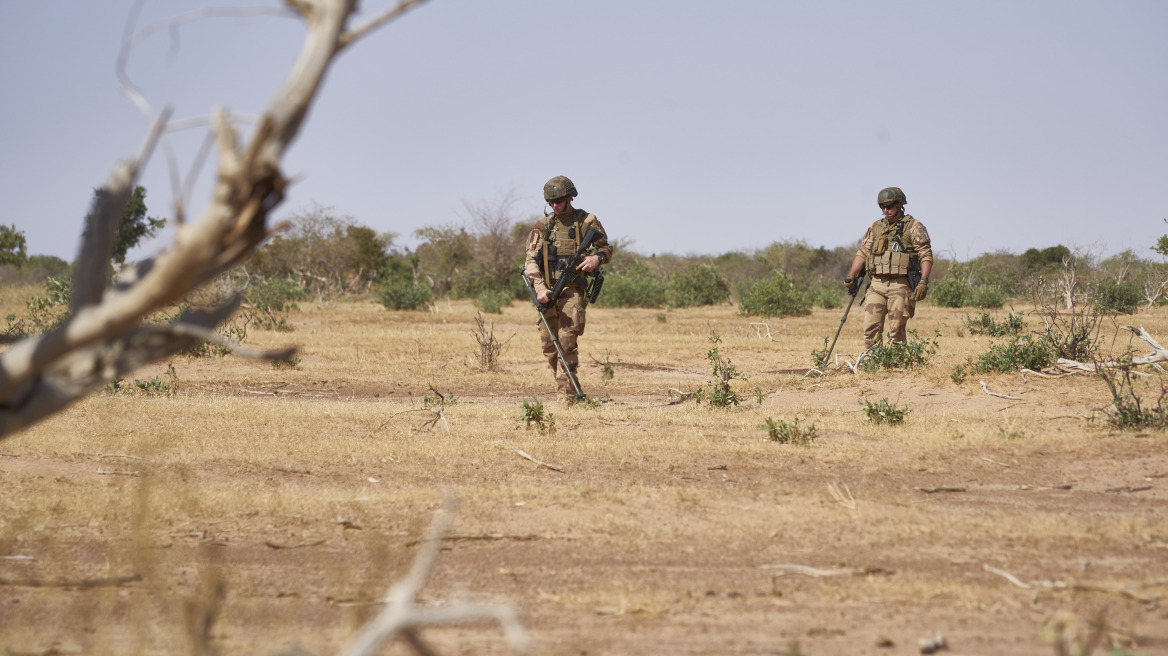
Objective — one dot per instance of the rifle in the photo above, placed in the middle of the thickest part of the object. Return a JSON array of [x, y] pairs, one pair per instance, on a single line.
[[854, 292], [567, 268], [555, 342]]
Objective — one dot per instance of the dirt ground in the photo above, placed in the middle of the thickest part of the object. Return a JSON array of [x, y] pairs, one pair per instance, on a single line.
[[666, 528]]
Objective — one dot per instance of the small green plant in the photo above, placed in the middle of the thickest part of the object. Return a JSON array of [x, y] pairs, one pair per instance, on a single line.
[[1131, 411], [819, 356], [1010, 434], [986, 325], [165, 385], [533, 413], [883, 412], [606, 370], [661, 317], [784, 433], [1012, 354], [760, 396], [293, 363], [958, 375], [913, 352], [594, 402], [718, 393]]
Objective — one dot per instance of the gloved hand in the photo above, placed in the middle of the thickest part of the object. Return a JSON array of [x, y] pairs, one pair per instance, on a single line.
[[851, 285], [922, 290]]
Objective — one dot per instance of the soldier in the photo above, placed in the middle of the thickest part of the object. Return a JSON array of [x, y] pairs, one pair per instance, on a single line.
[[559, 236], [895, 250]]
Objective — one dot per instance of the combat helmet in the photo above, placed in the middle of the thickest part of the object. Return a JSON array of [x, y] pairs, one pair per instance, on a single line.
[[891, 195], [558, 187]]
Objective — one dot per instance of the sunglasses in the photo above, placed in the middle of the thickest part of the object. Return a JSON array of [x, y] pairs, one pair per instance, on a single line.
[[557, 201], [888, 206]]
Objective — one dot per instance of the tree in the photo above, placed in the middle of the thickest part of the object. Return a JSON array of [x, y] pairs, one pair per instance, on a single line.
[[445, 251], [134, 225], [105, 336], [12, 246]]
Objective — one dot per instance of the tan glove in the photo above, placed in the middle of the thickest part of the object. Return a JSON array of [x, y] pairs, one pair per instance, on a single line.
[[922, 290]]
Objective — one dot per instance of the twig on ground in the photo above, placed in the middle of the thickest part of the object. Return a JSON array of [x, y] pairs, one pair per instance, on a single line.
[[1044, 375], [511, 537], [1158, 354], [994, 461], [75, 583], [1064, 486], [758, 330], [1000, 396], [844, 498], [113, 472], [1123, 591], [812, 571], [402, 616], [298, 545], [932, 490], [541, 463], [1128, 488]]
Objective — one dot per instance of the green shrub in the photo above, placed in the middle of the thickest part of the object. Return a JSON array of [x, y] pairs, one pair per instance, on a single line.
[[827, 296], [883, 412], [1131, 411], [272, 299], [718, 392], [1017, 352], [949, 292], [775, 296], [493, 302], [406, 295], [913, 352], [633, 287], [1119, 298], [985, 325], [699, 285], [985, 296], [533, 413], [784, 433]]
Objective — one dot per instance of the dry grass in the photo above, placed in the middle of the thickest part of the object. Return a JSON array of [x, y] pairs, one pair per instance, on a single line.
[[649, 541]]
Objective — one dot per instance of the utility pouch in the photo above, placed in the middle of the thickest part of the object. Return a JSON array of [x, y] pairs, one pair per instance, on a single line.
[[595, 284], [553, 265]]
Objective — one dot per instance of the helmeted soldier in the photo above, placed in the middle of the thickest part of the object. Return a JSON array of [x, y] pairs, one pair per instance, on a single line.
[[555, 236], [898, 256]]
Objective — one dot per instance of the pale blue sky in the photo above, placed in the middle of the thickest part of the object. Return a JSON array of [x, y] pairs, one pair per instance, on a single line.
[[689, 127]]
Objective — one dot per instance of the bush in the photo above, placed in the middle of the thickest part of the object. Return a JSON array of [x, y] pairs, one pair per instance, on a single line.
[[914, 352], [699, 285], [776, 296], [985, 296], [884, 412], [1018, 352], [406, 295], [784, 433], [1131, 411], [493, 302], [827, 296], [985, 325], [1120, 298], [949, 292], [635, 286]]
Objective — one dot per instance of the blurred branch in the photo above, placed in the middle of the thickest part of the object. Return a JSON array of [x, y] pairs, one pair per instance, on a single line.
[[104, 338]]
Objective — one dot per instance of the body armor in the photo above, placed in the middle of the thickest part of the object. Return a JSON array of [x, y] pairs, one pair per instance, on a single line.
[[560, 241], [892, 252]]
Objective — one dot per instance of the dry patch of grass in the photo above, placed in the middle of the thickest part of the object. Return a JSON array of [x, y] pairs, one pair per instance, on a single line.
[[304, 490]]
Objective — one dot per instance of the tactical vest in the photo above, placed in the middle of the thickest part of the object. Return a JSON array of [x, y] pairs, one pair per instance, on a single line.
[[892, 253], [560, 241]]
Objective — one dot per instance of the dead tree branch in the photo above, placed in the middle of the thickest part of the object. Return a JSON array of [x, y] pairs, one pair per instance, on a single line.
[[402, 616], [104, 338], [1158, 354]]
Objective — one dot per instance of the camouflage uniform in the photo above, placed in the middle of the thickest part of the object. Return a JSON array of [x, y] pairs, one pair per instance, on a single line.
[[889, 296], [566, 319]]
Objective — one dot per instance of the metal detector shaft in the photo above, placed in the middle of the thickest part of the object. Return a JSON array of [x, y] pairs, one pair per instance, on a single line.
[[552, 336], [859, 285]]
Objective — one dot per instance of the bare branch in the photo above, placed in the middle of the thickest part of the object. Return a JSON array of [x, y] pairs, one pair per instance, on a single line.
[[376, 22], [103, 338]]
